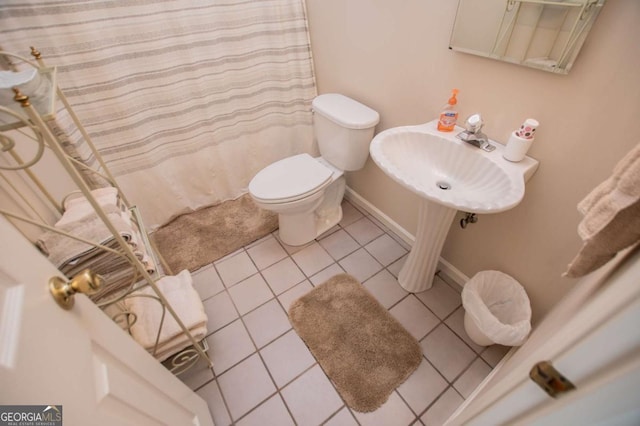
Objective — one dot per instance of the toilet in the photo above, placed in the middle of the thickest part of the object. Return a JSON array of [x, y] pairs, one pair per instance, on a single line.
[[306, 192]]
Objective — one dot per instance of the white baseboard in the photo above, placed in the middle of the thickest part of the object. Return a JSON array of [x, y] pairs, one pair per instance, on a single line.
[[454, 274], [361, 202]]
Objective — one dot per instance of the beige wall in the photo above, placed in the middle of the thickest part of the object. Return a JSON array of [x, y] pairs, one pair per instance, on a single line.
[[393, 56]]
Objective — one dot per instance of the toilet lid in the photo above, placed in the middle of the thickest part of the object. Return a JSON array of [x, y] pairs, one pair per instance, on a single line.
[[290, 179]]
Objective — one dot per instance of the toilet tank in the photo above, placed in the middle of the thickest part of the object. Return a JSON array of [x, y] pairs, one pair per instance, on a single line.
[[344, 129]]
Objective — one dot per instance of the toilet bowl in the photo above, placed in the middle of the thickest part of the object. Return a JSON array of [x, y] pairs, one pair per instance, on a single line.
[[295, 188], [307, 192]]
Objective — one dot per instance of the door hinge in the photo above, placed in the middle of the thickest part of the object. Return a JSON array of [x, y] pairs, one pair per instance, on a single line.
[[550, 379]]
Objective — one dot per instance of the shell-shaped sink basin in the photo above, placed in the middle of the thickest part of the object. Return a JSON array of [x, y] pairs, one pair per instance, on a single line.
[[445, 170]]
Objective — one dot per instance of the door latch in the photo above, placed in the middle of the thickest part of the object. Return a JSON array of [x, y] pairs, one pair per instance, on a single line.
[[550, 380]]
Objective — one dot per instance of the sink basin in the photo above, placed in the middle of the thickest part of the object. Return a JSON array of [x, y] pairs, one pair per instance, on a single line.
[[448, 171], [449, 175]]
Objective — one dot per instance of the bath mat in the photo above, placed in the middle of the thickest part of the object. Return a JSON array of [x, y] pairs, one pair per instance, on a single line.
[[196, 239], [363, 350]]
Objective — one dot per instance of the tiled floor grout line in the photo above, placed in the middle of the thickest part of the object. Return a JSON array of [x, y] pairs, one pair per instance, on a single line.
[[316, 361], [257, 349], [286, 406], [233, 422], [485, 361], [436, 369], [277, 392], [289, 254], [449, 386], [334, 414], [257, 352], [399, 301], [441, 321], [328, 419], [463, 341], [241, 317], [476, 355], [464, 370], [432, 403], [415, 416], [224, 400], [335, 260]]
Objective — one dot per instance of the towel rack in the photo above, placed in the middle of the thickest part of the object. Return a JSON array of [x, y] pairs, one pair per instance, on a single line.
[[31, 203]]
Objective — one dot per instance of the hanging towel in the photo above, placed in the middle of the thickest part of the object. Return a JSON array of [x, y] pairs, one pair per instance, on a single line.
[[183, 298], [611, 217]]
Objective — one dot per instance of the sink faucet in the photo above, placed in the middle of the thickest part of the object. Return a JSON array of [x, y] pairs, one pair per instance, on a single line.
[[474, 135]]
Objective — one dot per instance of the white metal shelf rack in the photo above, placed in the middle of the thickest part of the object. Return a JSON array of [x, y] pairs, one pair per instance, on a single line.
[[28, 115]]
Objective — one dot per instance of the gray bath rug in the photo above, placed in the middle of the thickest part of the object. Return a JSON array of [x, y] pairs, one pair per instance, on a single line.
[[363, 350], [196, 239]]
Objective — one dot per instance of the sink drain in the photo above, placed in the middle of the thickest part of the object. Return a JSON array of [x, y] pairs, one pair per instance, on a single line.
[[443, 185]]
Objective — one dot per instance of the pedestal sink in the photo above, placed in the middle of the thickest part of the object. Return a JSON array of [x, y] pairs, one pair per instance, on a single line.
[[449, 175]]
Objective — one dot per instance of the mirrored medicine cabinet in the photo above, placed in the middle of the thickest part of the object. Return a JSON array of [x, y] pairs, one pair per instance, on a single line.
[[542, 34]]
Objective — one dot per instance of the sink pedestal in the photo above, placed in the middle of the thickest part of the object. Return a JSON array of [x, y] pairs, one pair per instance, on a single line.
[[418, 271], [453, 176]]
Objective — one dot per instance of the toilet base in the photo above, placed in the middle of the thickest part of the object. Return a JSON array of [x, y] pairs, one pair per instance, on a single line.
[[301, 228], [297, 229]]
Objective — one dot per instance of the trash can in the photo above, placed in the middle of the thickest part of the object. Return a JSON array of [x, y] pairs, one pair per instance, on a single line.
[[497, 309]]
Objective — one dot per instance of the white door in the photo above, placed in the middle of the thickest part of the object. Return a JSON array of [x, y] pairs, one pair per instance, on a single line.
[[595, 346], [77, 358]]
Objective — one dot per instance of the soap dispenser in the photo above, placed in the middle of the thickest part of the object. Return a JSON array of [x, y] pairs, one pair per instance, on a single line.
[[449, 114]]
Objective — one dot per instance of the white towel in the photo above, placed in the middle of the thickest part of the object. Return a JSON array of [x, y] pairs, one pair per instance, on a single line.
[[79, 207], [105, 195], [183, 298], [179, 343]]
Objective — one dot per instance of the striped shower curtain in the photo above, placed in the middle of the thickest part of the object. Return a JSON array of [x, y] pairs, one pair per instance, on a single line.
[[186, 100]]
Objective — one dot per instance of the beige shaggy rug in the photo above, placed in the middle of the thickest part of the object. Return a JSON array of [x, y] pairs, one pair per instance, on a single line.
[[364, 350], [196, 239]]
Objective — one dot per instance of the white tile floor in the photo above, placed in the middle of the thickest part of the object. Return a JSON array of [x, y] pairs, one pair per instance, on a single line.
[[263, 372]]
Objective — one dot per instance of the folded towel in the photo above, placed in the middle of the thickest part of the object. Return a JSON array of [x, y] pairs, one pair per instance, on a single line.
[[611, 217], [179, 343], [183, 298], [78, 207], [104, 196], [72, 256], [61, 249]]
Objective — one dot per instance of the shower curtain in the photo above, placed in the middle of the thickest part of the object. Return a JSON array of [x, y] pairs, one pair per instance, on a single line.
[[186, 100]]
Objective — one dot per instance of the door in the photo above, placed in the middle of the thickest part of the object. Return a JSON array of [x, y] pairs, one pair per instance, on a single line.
[[594, 343], [77, 358]]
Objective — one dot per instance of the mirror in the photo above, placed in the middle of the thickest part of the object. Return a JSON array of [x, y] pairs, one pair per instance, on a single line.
[[542, 34]]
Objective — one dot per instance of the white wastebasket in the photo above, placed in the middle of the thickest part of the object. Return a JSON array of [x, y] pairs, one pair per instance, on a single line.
[[497, 309]]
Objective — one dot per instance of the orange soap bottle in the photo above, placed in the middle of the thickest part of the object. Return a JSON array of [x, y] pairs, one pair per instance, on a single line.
[[449, 114]]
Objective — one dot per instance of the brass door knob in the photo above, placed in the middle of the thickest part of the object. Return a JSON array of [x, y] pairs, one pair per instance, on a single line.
[[86, 282]]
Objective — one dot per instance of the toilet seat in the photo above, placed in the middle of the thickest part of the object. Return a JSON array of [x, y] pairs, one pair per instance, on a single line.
[[290, 179]]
